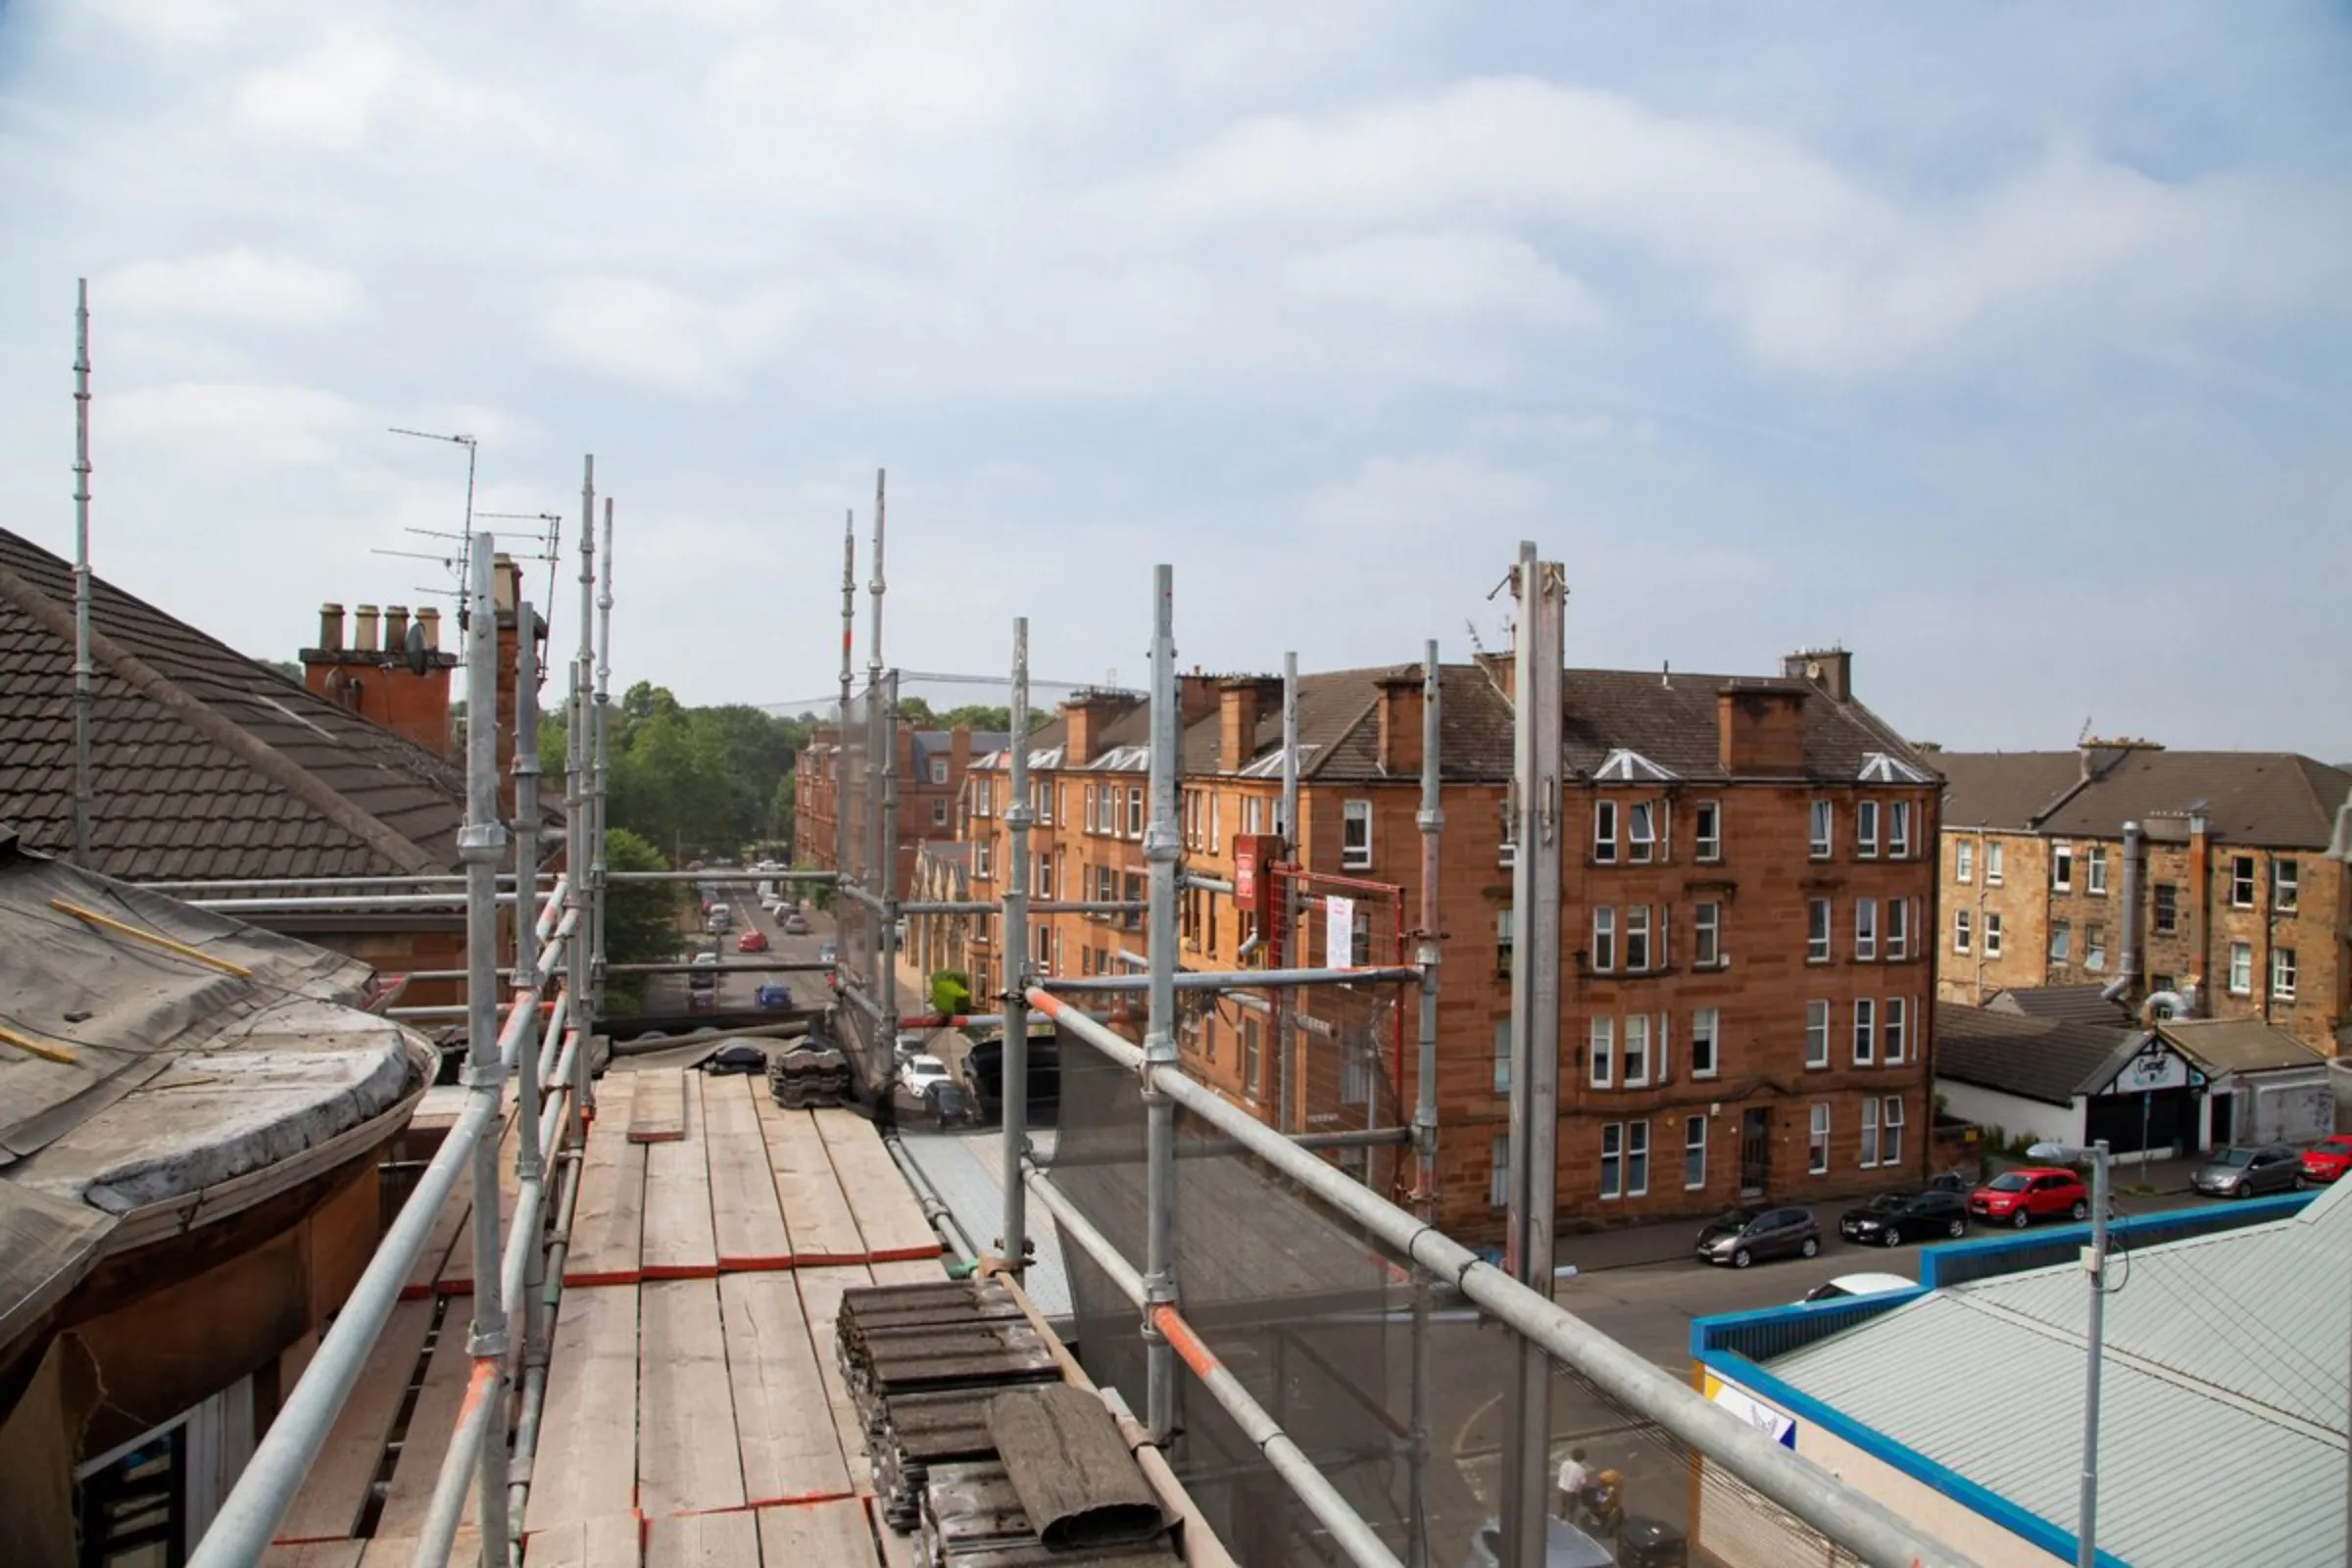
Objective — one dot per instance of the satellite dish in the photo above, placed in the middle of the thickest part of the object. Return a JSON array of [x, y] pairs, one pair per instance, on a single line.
[[1812, 670], [414, 651]]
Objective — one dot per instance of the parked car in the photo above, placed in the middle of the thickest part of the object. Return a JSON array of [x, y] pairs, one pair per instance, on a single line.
[[1892, 1218], [706, 959], [2328, 1158], [828, 953], [773, 995], [1564, 1546], [753, 939], [906, 1048], [1745, 1236], [796, 924], [2241, 1170], [917, 1074], [720, 917], [2019, 1198], [1845, 1285]]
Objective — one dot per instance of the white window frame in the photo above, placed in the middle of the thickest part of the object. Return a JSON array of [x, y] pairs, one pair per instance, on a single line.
[[1604, 832], [1993, 933], [1706, 1042], [1869, 1133], [2241, 969], [1962, 933], [1094, 807], [1819, 922], [1498, 1180], [1899, 830], [1637, 929], [1612, 1161], [938, 770], [2164, 907], [1355, 835], [1964, 860], [1636, 1158], [2095, 947], [1135, 810], [1695, 1148], [1898, 930], [2094, 871], [1866, 830], [2287, 885], [1866, 930], [1635, 1037], [2062, 941], [2062, 868], [1997, 856], [984, 797], [1502, 1055], [1217, 822], [983, 861], [2283, 975], [1600, 1039], [1823, 823], [1041, 877], [1707, 832], [2242, 885], [1706, 934], [1640, 832], [1866, 1031], [1817, 1035], [1604, 939], [1817, 1139], [939, 811], [1895, 1030], [1507, 940], [1891, 1131], [1045, 950]]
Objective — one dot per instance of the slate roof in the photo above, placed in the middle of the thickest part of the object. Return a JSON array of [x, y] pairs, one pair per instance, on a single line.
[[2223, 1361], [2080, 1004], [2039, 1059], [2003, 790], [206, 763], [2271, 799]]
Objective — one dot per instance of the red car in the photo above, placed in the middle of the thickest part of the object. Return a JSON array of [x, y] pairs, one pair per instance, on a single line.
[[752, 941], [2328, 1158], [2019, 1198]]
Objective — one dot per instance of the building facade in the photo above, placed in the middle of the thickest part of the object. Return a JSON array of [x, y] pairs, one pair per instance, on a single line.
[[1748, 886], [931, 768], [2237, 910]]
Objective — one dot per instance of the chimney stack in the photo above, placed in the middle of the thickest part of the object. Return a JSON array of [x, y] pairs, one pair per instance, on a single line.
[[364, 630], [331, 628], [1236, 724], [1760, 729], [371, 676], [429, 620], [396, 629], [1829, 669], [1400, 723]]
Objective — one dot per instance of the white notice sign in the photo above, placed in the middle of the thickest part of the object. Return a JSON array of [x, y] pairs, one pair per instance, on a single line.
[[1338, 932]]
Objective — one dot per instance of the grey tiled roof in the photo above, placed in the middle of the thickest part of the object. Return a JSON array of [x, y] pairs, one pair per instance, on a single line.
[[2040, 1058], [2080, 1004], [2003, 790], [2272, 800], [205, 762]]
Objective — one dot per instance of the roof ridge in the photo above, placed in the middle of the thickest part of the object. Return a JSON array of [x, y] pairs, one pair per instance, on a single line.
[[264, 759]]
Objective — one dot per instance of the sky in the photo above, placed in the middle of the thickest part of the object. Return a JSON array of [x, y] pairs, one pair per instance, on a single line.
[[2009, 346]]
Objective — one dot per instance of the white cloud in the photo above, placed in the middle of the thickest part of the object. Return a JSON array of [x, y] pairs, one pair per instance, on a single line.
[[1446, 275], [644, 332], [236, 284], [357, 89], [234, 426]]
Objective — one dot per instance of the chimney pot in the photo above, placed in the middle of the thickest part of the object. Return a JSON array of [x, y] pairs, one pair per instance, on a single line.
[[428, 619], [396, 627], [506, 578], [364, 629], [331, 628]]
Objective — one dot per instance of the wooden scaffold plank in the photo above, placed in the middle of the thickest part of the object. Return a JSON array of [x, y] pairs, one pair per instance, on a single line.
[[687, 1455], [586, 1465], [791, 1450], [821, 1304], [889, 1218], [704, 1541], [743, 1208], [608, 1220], [680, 1243], [431, 1423], [334, 1493], [837, 1531], [612, 1540], [657, 1111], [815, 1210]]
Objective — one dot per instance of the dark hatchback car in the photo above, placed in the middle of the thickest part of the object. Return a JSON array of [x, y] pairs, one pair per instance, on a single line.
[[2242, 1171], [1747, 1236], [1892, 1218]]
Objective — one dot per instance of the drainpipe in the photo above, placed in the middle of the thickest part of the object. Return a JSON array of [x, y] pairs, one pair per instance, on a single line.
[[2127, 981], [2201, 910]]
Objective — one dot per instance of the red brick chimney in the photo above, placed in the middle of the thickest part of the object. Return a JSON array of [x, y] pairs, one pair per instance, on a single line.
[[1236, 724], [372, 678], [1400, 723], [1085, 717], [1760, 729]]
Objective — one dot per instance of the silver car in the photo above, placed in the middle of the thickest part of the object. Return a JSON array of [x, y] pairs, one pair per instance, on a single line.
[[2242, 1170], [1564, 1546]]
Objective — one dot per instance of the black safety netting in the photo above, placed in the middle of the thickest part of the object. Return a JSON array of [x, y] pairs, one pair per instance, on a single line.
[[1318, 1320], [869, 865]]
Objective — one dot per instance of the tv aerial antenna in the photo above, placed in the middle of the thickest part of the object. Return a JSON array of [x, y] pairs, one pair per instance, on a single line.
[[460, 565]]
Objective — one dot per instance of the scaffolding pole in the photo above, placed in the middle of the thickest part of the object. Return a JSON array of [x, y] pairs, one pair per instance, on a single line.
[[1293, 851], [1541, 591], [849, 632], [600, 734], [481, 843], [1162, 847], [529, 1156], [85, 788], [579, 767], [879, 829], [1431, 821], [1013, 1243]]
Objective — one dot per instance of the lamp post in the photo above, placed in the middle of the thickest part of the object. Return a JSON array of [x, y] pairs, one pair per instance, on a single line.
[[2086, 1529]]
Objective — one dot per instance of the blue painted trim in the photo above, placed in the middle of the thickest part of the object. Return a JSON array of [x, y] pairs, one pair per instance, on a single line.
[[2025, 1525], [1704, 1330], [2178, 1224]]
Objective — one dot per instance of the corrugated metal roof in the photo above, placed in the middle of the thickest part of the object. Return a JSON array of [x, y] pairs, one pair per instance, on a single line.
[[2223, 1421]]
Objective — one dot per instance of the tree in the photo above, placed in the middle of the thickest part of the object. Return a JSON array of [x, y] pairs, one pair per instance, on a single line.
[[286, 668], [641, 918], [914, 710]]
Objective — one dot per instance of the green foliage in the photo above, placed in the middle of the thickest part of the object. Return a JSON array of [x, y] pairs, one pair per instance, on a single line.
[[641, 918], [914, 710], [818, 894], [698, 783], [951, 992], [975, 716]]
